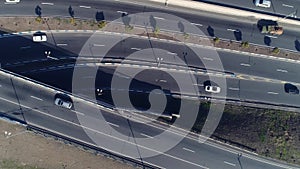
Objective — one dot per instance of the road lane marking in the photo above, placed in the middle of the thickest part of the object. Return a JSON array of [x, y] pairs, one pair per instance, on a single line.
[[61, 44], [145, 135], [171, 53], [233, 30], [199, 85], [87, 7], [136, 48], [281, 70], [197, 24], [245, 64], [47, 3], [272, 93], [98, 45], [155, 17], [78, 112], [108, 135], [36, 98], [112, 124], [289, 6], [206, 58], [226, 162], [186, 149], [25, 47], [50, 57], [270, 36], [122, 12], [233, 88]]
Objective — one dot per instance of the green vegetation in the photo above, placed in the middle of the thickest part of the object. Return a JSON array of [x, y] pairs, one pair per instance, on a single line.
[[38, 19], [216, 40], [128, 28], [101, 24], [10, 164], [245, 44], [156, 31], [186, 35], [276, 50]]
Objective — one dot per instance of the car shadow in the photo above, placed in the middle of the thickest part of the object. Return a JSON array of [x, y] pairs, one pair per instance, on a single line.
[[210, 31]]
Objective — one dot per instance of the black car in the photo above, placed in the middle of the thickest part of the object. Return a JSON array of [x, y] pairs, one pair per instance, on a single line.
[[290, 88]]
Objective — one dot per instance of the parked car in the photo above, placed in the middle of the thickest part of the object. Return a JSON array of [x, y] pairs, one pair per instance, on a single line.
[[12, 1], [212, 89], [63, 103], [290, 88], [39, 37], [263, 3]]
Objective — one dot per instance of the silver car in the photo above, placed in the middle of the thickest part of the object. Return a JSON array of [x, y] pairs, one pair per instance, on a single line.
[[62, 103], [263, 3]]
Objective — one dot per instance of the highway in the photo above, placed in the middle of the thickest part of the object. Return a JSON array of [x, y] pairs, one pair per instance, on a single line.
[[211, 24], [35, 104], [109, 129], [286, 8]]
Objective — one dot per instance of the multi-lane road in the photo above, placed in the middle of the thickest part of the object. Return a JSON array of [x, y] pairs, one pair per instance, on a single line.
[[246, 77]]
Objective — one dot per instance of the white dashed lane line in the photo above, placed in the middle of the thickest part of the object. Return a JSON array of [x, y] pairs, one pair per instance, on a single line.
[[155, 17], [136, 48], [47, 3], [145, 135], [189, 150], [226, 162], [272, 93], [233, 88], [286, 5], [197, 24], [36, 98], [112, 124], [245, 64], [206, 58], [61, 44], [87, 7], [282, 70]]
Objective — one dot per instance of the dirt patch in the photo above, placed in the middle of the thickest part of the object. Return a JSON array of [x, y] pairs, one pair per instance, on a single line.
[[20, 148]]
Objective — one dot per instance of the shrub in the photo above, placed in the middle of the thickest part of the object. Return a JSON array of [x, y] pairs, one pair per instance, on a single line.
[[156, 31], [38, 19], [245, 44], [128, 28], [216, 40], [276, 50], [101, 24]]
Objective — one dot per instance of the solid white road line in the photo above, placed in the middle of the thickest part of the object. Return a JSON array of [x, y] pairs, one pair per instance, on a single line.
[[229, 163], [233, 88], [245, 64], [206, 58], [61, 44], [282, 70], [98, 45], [145, 135], [270, 36], [112, 124], [272, 93], [122, 12], [197, 24], [171, 53], [52, 58], [47, 3], [87, 7], [186, 149], [155, 17], [36, 98], [289, 6], [233, 30], [136, 48]]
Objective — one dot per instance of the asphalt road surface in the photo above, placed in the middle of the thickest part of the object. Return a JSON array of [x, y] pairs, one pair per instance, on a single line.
[[239, 29]]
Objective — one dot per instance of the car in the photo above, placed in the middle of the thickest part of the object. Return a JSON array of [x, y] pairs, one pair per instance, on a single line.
[[212, 89], [290, 88], [12, 1], [62, 103], [263, 3], [39, 37]]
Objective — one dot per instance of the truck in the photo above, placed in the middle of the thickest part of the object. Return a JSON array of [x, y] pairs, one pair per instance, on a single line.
[[272, 29]]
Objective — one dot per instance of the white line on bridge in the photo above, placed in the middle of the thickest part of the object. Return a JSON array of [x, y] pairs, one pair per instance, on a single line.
[[122, 12], [25, 47], [50, 57], [171, 53], [155, 17], [272, 93], [206, 58], [47, 3], [233, 88], [145, 135], [197, 24], [77, 112], [245, 64], [233, 30], [186, 149], [289, 6], [275, 37], [226, 162], [61, 44], [87, 7], [98, 45], [36, 98], [282, 70], [113, 124], [136, 48]]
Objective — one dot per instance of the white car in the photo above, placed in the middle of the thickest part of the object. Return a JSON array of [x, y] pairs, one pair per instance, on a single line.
[[12, 1], [62, 103], [39, 37], [263, 3], [213, 89]]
